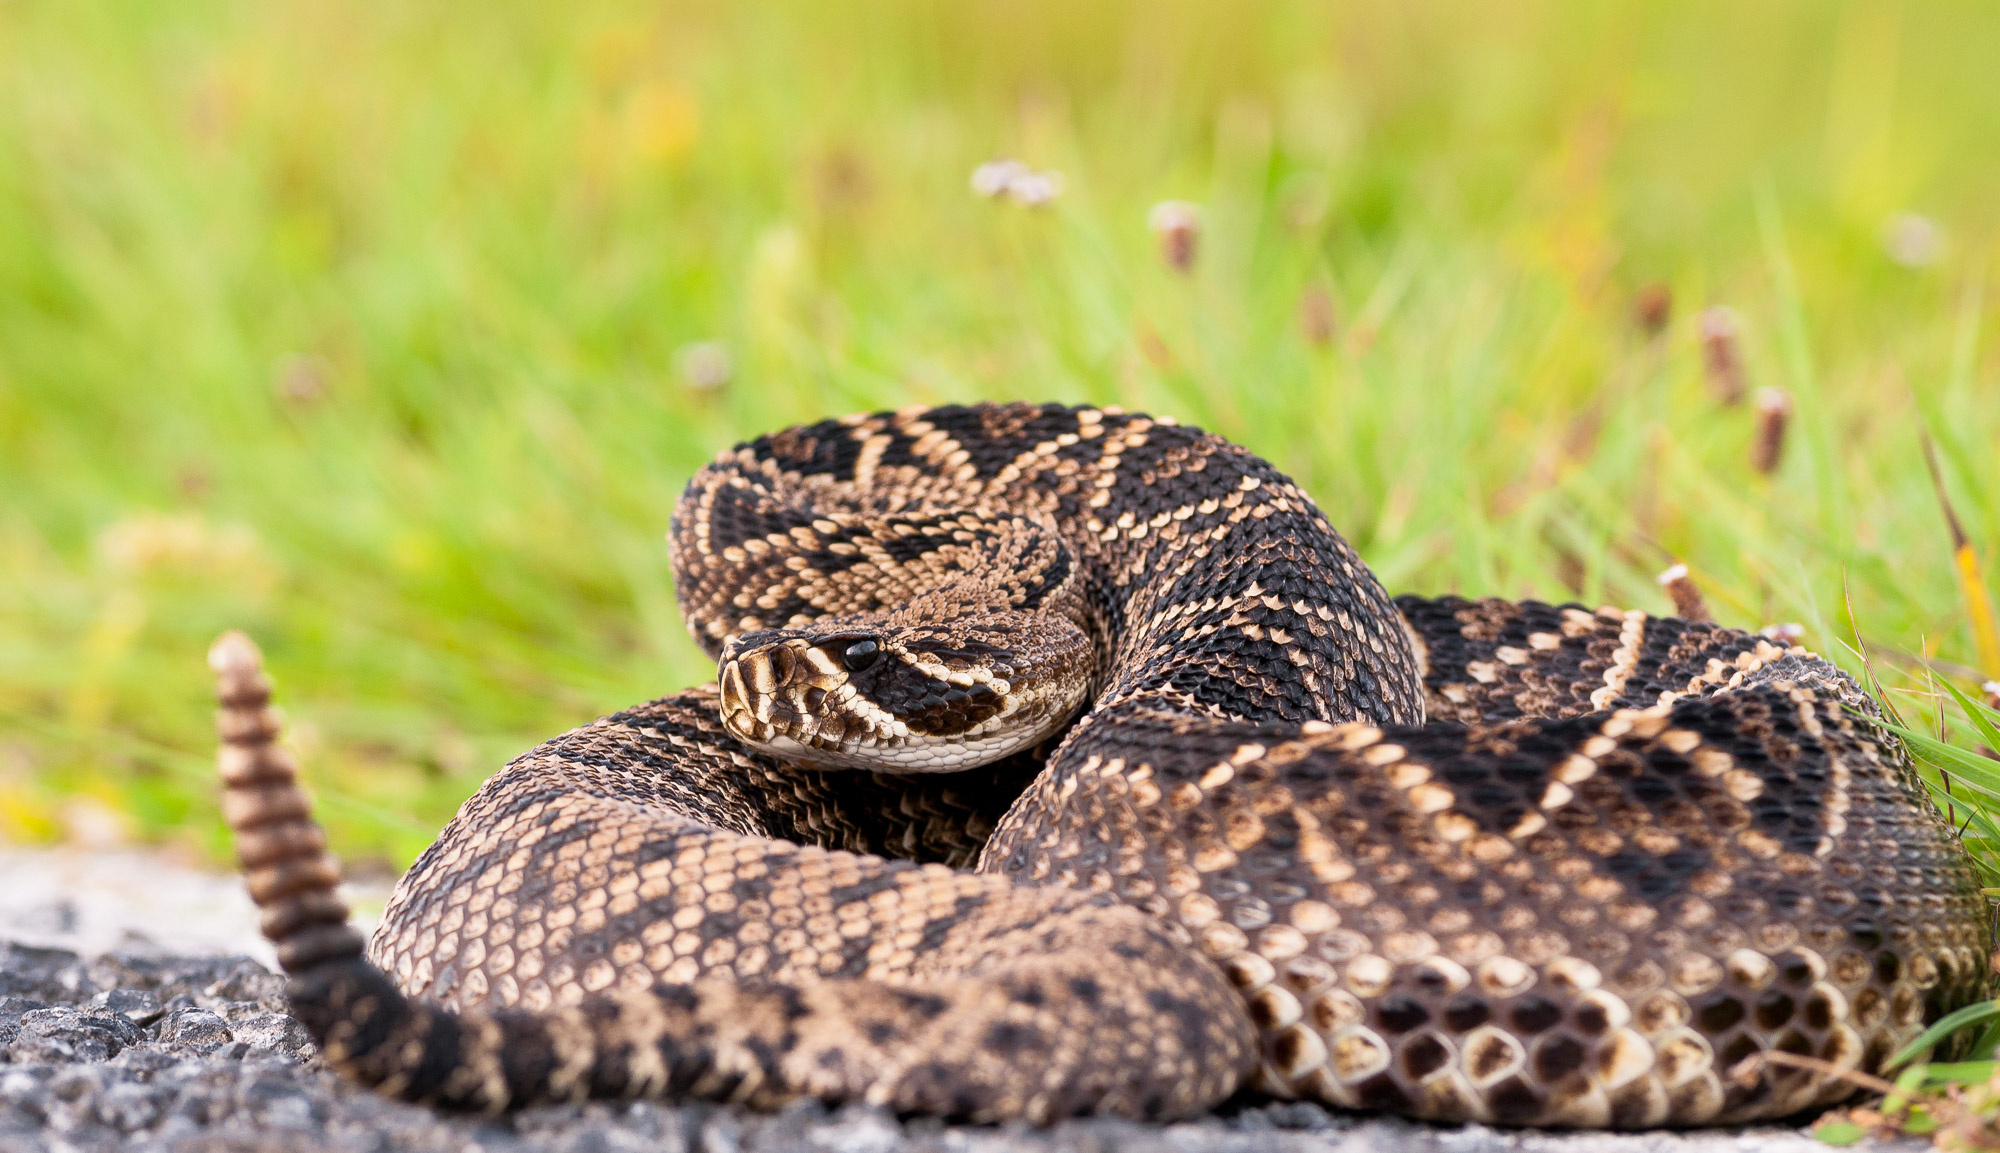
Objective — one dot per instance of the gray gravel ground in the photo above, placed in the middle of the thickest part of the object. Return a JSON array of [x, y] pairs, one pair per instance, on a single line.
[[145, 1047]]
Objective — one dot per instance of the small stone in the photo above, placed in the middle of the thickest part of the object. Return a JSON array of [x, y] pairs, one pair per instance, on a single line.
[[203, 1105], [24, 1094], [196, 1030], [76, 1084], [130, 1106], [1307, 1115], [63, 1034], [859, 1129], [723, 1133], [281, 1103], [274, 1035], [142, 1061], [42, 974], [169, 977], [246, 981], [139, 1006], [12, 1009]]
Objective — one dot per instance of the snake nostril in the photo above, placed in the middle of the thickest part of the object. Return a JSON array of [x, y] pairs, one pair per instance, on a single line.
[[784, 662], [758, 673]]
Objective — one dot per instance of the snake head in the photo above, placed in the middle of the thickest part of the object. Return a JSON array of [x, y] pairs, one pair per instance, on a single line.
[[902, 698]]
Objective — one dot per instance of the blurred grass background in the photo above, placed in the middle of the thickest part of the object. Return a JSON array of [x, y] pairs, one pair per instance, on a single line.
[[367, 326]]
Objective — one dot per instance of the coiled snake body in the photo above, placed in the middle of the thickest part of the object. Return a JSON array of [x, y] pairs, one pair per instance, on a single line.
[[1245, 822]]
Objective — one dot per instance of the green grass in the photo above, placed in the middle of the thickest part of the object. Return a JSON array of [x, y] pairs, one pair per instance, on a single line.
[[356, 325]]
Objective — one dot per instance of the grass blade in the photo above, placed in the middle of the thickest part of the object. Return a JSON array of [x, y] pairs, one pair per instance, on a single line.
[[1975, 712], [1946, 1025], [1967, 767], [1971, 581]]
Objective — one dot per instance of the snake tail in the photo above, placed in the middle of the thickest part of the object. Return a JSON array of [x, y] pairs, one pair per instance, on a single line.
[[364, 1026], [712, 1040]]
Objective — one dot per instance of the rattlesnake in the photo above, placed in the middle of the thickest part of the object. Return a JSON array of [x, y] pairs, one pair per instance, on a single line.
[[1247, 824]]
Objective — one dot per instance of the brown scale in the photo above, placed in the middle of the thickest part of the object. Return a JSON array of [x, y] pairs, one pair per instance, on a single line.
[[1623, 857]]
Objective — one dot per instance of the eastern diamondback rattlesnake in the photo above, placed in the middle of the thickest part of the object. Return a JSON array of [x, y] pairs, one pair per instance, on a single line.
[[1244, 821]]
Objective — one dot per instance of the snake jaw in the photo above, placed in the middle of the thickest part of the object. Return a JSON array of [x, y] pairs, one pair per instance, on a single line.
[[908, 711]]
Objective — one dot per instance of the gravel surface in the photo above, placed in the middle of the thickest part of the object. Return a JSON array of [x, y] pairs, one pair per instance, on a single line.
[[148, 1047]]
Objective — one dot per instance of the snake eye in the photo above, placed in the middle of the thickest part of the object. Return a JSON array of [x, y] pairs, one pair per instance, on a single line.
[[860, 655]]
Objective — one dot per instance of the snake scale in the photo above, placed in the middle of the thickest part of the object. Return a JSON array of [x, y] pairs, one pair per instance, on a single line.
[[1066, 760]]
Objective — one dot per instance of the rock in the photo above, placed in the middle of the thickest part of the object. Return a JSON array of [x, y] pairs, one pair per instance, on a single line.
[[168, 976], [193, 1030], [42, 974], [274, 1035], [131, 1106], [1308, 1115], [277, 1101], [144, 1061], [24, 1097], [247, 981], [860, 1130], [139, 1006], [12, 1009], [61, 1034]]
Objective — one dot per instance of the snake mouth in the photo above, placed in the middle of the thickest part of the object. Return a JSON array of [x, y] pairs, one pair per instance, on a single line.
[[792, 699]]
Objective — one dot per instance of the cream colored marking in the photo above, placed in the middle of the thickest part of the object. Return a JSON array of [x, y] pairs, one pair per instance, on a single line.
[[1503, 976], [1710, 761], [1575, 769], [1624, 661], [1369, 975], [1358, 1053], [1354, 736], [1622, 1058], [1578, 623], [1407, 774], [1680, 740], [1749, 968], [1572, 974]]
